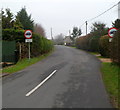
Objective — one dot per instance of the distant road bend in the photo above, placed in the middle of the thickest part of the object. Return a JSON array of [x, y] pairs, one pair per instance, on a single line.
[[68, 78]]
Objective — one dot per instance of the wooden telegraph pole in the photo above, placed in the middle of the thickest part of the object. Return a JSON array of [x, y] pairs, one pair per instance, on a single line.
[[86, 27]]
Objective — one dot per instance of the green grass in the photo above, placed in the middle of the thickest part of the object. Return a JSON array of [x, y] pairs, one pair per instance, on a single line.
[[24, 63], [101, 57], [110, 78], [94, 53], [97, 53], [0, 71], [71, 46]]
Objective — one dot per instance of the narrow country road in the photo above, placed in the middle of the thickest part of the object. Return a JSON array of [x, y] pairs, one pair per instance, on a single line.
[[76, 83]]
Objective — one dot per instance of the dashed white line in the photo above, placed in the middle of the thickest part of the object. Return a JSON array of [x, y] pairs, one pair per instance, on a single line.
[[33, 90]]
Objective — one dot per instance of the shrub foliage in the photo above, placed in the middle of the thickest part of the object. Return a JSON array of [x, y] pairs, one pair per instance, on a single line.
[[115, 48], [40, 45], [104, 46]]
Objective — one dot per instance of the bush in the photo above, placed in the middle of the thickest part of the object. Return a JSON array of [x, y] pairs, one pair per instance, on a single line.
[[94, 44], [83, 42], [104, 46], [12, 34], [89, 43], [115, 48], [40, 45]]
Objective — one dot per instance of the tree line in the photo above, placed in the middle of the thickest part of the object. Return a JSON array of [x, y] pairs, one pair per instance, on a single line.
[[59, 39], [13, 27], [98, 41], [21, 21]]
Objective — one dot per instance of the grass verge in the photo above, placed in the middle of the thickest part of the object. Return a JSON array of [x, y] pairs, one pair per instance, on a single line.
[[94, 53], [71, 46], [110, 78], [24, 63]]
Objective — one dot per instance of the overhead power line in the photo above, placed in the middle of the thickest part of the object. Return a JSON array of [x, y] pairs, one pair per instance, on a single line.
[[103, 12], [100, 14], [86, 22], [82, 24]]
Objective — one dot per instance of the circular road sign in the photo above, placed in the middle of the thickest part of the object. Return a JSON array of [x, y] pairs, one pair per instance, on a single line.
[[28, 34], [111, 32]]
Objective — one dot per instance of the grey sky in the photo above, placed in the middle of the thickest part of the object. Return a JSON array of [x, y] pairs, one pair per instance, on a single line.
[[62, 15]]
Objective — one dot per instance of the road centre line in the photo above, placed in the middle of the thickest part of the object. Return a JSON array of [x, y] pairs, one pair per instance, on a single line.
[[33, 90]]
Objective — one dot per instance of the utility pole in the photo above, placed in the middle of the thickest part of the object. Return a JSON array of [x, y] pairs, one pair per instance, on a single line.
[[51, 34], [118, 10], [86, 27]]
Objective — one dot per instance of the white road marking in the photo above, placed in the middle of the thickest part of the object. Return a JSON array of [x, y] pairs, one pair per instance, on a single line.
[[33, 90]]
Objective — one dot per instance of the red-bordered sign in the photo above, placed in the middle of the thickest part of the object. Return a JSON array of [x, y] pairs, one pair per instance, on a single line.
[[111, 32], [28, 34]]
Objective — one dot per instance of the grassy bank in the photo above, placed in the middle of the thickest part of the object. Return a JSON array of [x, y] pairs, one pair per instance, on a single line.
[[110, 78], [24, 63]]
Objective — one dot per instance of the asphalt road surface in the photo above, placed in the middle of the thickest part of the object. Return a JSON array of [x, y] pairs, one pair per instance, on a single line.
[[74, 82]]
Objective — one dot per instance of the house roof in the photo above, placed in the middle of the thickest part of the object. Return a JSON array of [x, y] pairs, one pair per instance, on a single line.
[[67, 39]]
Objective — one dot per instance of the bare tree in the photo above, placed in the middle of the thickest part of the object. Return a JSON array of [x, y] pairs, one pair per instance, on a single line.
[[59, 39], [39, 30]]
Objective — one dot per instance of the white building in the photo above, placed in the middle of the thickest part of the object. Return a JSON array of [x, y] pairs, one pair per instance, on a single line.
[[67, 40]]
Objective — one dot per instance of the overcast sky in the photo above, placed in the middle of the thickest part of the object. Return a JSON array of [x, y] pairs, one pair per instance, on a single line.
[[63, 15]]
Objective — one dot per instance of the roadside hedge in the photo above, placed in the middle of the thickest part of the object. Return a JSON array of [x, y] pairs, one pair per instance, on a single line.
[[83, 42], [115, 48], [43, 45], [104, 46], [12, 34], [94, 44], [39, 46], [88, 42]]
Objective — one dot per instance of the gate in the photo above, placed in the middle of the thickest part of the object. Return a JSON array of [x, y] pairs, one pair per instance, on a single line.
[[8, 51]]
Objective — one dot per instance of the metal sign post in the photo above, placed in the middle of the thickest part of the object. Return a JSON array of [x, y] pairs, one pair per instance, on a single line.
[[110, 39], [28, 36], [29, 50]]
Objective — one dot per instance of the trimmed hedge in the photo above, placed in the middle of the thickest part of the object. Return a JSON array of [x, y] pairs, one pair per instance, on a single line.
[[12, 34], [94, 44], [89, 43], [83, 42], [115, 48], [104, 46], [40, 45]]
